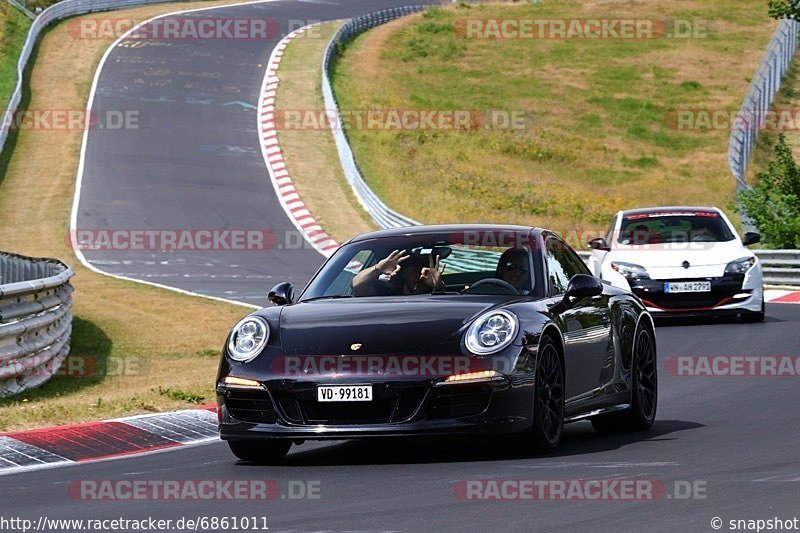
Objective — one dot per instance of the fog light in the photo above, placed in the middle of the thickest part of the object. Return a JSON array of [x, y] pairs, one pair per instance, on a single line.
[[471, 376], [742, 295], [233, 381]]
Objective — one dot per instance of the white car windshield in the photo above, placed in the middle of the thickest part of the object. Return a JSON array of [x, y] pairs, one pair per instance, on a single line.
[[649, 228]]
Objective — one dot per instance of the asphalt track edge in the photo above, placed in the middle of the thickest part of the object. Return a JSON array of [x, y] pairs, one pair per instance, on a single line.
[[79, 178], [107, 440], [285, 191]]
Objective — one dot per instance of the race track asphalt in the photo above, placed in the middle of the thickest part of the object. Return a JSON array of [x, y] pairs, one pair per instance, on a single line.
[[734, 438], [189, 158]]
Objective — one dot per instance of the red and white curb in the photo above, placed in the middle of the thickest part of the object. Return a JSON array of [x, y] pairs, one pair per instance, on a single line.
[[79, 443], [777, 296], [288, 196]]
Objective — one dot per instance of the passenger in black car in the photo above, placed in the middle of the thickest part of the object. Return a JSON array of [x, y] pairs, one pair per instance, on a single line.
[[406, 273]]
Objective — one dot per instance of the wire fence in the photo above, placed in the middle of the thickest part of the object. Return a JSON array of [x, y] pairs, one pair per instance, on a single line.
[[765, 85]]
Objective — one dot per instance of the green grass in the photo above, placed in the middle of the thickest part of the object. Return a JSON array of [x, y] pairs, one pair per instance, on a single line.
[[145, 349], [13, 29], [596, 136]]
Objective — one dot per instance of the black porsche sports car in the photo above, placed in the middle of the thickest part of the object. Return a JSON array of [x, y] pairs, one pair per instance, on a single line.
[[439, 330]]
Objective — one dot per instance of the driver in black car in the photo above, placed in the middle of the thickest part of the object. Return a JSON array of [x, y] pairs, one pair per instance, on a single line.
[[400, 273], [513, 268]]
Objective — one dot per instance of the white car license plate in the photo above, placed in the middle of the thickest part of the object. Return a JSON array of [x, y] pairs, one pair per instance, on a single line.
[[688, 286], [344, 393]]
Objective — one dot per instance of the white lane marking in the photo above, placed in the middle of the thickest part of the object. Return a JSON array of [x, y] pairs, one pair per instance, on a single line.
[[73, 221], [783, 478], [597, 465]]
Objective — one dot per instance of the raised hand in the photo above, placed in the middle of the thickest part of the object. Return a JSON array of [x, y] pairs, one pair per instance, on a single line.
[[390, 265], [431, 275]]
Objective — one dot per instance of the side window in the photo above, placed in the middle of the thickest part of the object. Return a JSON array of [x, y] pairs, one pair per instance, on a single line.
[[556, 273], [576, 264], [562, 264]]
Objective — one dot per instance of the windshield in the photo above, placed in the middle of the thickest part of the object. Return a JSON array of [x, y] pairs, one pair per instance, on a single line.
[[639, 229], [424, 264]]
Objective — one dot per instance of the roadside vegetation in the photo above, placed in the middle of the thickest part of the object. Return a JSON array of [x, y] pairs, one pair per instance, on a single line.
[[600, 131], [13, 29], [135, 349], [774, 202], [310, 154]]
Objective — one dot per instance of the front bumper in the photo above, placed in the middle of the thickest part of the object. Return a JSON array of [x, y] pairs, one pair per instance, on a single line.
[[289, 410], [730, 295]]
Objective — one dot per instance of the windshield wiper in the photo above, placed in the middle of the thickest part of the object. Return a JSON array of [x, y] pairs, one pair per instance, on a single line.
[[329, 297]]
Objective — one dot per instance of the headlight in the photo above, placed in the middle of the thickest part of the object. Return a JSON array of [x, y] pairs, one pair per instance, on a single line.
[[248, 339], [740, 266], [629, 270], [492, 332]]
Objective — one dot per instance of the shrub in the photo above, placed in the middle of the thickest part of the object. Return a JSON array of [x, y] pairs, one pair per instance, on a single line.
[[774, 203]]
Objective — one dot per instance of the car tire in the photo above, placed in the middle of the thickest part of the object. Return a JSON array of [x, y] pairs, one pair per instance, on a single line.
[[644, 390], [260, 451], [749, 317], [548, 399]]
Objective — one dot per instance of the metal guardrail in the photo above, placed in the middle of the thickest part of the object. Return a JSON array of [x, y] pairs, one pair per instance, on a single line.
[[31, 15], [781, 267], [58, 11], [383, 215], [35, 320], [757, 103]]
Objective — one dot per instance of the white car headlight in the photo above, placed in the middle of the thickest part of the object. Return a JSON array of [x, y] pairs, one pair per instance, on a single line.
[[630, 270], [740, 266], [248, 338], [492, 332]]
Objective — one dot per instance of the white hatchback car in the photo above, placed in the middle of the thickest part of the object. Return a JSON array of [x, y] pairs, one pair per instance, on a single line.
[[682, 261]]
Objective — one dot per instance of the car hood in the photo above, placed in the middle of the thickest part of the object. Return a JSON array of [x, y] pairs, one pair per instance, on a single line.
[[381, 325], [666, 261]]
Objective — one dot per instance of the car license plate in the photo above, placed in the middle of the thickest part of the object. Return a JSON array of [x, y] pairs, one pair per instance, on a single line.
[[688, 286], [344, 393]]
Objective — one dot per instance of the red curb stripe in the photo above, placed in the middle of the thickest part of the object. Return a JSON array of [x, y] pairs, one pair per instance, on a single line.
[[791, 298], [94, 440], [288, 195]]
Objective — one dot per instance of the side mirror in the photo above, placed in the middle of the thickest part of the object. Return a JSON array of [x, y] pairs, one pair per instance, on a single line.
[[282, 294], [751, 237], [599, 244], [583, 286]]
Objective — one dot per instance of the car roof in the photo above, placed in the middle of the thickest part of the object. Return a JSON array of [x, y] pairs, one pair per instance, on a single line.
[[669, 208], [443, 228]]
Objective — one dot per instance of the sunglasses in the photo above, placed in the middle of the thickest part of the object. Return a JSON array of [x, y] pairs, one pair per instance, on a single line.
[[512, 267]]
